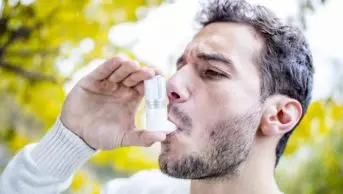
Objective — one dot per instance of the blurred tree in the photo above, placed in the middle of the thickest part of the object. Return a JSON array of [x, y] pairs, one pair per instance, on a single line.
[[42, 43], [313, 161], [316, 168], [33, 37], [307, 7]]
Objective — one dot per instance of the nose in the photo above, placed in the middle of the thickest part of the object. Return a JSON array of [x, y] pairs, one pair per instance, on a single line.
[[177, 89]]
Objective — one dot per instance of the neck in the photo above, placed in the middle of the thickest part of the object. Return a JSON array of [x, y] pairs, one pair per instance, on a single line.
[[255, 175]]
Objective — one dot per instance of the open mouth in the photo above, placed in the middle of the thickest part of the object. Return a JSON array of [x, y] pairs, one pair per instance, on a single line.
[[178, 130]]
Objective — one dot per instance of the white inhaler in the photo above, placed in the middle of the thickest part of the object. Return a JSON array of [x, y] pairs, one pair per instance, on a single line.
[[156, 105]]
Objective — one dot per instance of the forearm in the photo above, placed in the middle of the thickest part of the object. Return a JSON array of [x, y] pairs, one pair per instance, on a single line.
[[46, 167]]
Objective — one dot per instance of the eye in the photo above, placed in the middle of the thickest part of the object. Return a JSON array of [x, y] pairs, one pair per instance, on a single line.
[[212, 74]]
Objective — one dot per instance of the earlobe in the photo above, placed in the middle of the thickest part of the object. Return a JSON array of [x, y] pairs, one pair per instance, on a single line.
[[269, 130]]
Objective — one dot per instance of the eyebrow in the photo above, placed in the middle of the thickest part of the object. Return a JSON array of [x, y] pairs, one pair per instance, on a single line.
[[210, 56]]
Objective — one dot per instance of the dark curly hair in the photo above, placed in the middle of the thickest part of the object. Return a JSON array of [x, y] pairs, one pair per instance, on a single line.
[[285, 61]]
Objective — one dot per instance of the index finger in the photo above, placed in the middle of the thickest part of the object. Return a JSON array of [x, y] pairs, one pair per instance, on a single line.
[[142, 138], [106, 69]]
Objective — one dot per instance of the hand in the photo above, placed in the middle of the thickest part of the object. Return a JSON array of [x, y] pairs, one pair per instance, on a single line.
[[101, 107]]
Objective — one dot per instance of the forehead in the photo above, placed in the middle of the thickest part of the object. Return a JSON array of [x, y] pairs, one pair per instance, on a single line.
[[238, 41]]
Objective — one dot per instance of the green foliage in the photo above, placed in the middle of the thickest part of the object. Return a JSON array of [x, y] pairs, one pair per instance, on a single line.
[[317, 122], [319, 169], [32, 38]]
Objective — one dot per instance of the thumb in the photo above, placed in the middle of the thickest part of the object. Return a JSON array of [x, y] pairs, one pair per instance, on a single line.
[[142, 138]]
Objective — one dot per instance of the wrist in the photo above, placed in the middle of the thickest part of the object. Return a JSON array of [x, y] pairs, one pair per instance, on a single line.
[[61, 152]]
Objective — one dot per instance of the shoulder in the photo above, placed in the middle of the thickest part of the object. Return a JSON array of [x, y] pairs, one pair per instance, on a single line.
[[147, 182]]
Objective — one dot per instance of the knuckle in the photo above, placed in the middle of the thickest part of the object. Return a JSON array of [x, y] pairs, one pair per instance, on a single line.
[[128, 81], [130, 67], [141, 134], [148, 143]]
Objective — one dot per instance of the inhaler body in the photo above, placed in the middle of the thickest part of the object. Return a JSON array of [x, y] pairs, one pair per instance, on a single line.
[[156, 105]]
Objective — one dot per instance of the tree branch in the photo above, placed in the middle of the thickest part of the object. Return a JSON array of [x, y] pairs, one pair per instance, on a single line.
[[21, 32], [27, 53], [3, 25], [34, 76]]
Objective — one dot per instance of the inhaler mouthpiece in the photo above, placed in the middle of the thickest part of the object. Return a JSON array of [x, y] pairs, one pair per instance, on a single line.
[[156, 105]]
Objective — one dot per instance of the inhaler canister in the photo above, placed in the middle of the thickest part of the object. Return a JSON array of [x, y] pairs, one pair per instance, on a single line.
[[156, 105]]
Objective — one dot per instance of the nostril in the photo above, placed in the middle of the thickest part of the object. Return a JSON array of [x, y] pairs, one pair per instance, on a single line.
[[175, 95]]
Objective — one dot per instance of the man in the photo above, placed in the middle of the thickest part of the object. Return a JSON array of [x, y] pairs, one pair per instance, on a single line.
[[243, 84]]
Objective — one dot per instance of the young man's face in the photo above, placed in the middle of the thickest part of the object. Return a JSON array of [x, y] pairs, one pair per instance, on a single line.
[[215, 103]]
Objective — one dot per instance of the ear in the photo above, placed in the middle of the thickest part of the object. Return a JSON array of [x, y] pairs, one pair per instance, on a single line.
[[280, 116]]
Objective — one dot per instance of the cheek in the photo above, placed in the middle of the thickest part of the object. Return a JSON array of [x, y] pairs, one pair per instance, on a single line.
[[208, 105], [208, 109], [232, 99], [214, 103]]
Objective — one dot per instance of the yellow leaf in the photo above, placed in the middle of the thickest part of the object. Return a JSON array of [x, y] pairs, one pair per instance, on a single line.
[[80, 179], [337, 112], [96, 188], [291, 147], [101, 158], [131, 159], [316, 109], [323, 127], [303, 131], [18, 142], [44, 7], [45, 100]]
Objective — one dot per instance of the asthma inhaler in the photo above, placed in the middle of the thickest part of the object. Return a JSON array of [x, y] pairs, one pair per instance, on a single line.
[[156, 105]]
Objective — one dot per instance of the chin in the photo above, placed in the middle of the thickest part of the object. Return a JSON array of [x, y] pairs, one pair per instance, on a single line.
[[168, 164], [175, 145], [168, 150], [173, 160], [183, 167], [171, 152]]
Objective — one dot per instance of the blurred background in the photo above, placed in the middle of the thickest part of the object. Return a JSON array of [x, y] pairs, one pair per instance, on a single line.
[[46, 46]]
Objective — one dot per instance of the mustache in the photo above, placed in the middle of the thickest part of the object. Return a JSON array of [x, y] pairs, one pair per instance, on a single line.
[[178, 114]]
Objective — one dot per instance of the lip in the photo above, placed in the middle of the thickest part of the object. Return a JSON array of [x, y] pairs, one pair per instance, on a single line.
[[178, 129]]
